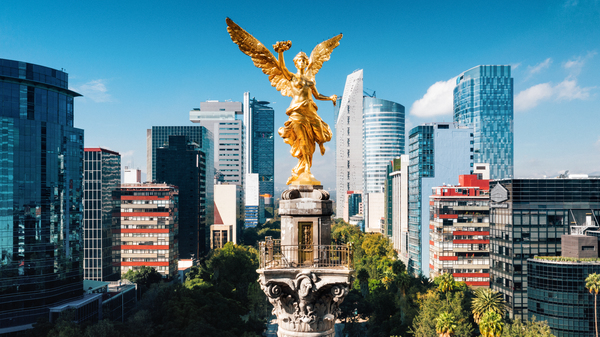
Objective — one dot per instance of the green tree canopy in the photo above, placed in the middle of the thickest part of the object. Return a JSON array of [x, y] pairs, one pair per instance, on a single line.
[[529, 328], [144, 277], [445, 324], [491, 324], [487, 300]]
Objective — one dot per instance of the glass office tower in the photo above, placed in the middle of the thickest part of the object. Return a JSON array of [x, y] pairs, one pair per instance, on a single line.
[[158, 136], [383, 134], [41, 172], [263, 145], [483, 100], [527, 218], [102, 176], [182, 163], [438, 154]]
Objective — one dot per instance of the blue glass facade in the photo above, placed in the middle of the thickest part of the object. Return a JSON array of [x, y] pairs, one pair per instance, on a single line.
[[483, 100], [41, 190], [383, 134], [438, 154], [263, 145]]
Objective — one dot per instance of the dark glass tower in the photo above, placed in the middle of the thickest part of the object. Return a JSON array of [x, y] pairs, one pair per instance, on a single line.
[[102, 176], [158, 136], [263, 145], [182, 163], [483, 100], [528, 218], [41, 171]]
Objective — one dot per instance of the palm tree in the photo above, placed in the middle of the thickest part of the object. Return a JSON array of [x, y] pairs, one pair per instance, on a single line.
[[446, 284], [446, 324], [487, 300], [592, 282], [491, 324]]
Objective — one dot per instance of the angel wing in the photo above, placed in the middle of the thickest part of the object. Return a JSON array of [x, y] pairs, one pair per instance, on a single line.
[[320, 54], [261, 56]]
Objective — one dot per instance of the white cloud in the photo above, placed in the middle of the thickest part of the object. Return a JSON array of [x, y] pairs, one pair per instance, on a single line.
[[515, 66], [575, 64], [531, 97], [95, 90], [539, 67], [597, 144], [569, 90], [566, 90], [436, 101]]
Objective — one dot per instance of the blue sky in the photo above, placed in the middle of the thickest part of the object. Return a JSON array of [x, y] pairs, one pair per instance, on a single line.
[[140, 64]]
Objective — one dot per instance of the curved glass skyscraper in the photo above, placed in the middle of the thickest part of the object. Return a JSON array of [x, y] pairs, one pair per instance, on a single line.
[[383, 134], [41, 171], [483, 100]]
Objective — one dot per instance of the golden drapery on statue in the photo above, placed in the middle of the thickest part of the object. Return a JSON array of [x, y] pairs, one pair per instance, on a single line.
[[304, 128]]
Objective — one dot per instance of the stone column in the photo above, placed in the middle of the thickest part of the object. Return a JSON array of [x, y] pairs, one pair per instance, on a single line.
[[305, 278]]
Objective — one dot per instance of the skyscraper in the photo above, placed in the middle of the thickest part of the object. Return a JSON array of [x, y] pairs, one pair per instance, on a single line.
[[349, 140], [225, 121], [439, 153], [158, 136], [383, 134], [182, 163], [369, 133], [41, 179], [483, 100], [102, 176], [260, 126], [259, 120]]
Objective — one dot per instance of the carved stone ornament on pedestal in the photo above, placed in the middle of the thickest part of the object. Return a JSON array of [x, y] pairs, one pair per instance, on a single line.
[[304, 276], [306, 305]]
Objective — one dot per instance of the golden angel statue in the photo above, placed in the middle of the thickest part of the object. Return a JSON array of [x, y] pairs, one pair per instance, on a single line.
[[304, 128]]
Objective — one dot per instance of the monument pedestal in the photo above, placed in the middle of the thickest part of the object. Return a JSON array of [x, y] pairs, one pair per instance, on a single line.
[[303, 275]]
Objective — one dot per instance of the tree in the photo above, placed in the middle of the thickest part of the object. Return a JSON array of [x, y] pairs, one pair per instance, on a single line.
[[445, 283], [457, 303], [592, 283], [528, 328], [445, 324], [490, 324], [487, 300], [144, 278]]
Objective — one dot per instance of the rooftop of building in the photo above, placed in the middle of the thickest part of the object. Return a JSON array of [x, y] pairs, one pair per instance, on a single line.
[[100, 149], [567, 260]]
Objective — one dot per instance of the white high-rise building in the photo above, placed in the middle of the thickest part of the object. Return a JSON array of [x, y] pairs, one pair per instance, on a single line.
[[400, 209], [349, 140], [225, 121]]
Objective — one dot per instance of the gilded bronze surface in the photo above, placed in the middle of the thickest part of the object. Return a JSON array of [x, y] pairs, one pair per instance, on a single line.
[[304, 128]]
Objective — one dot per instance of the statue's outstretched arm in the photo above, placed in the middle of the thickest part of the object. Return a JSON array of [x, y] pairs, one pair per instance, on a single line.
[[280, 47], [320, 97]]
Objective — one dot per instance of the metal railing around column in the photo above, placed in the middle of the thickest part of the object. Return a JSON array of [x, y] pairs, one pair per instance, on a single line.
[[274, 255]]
